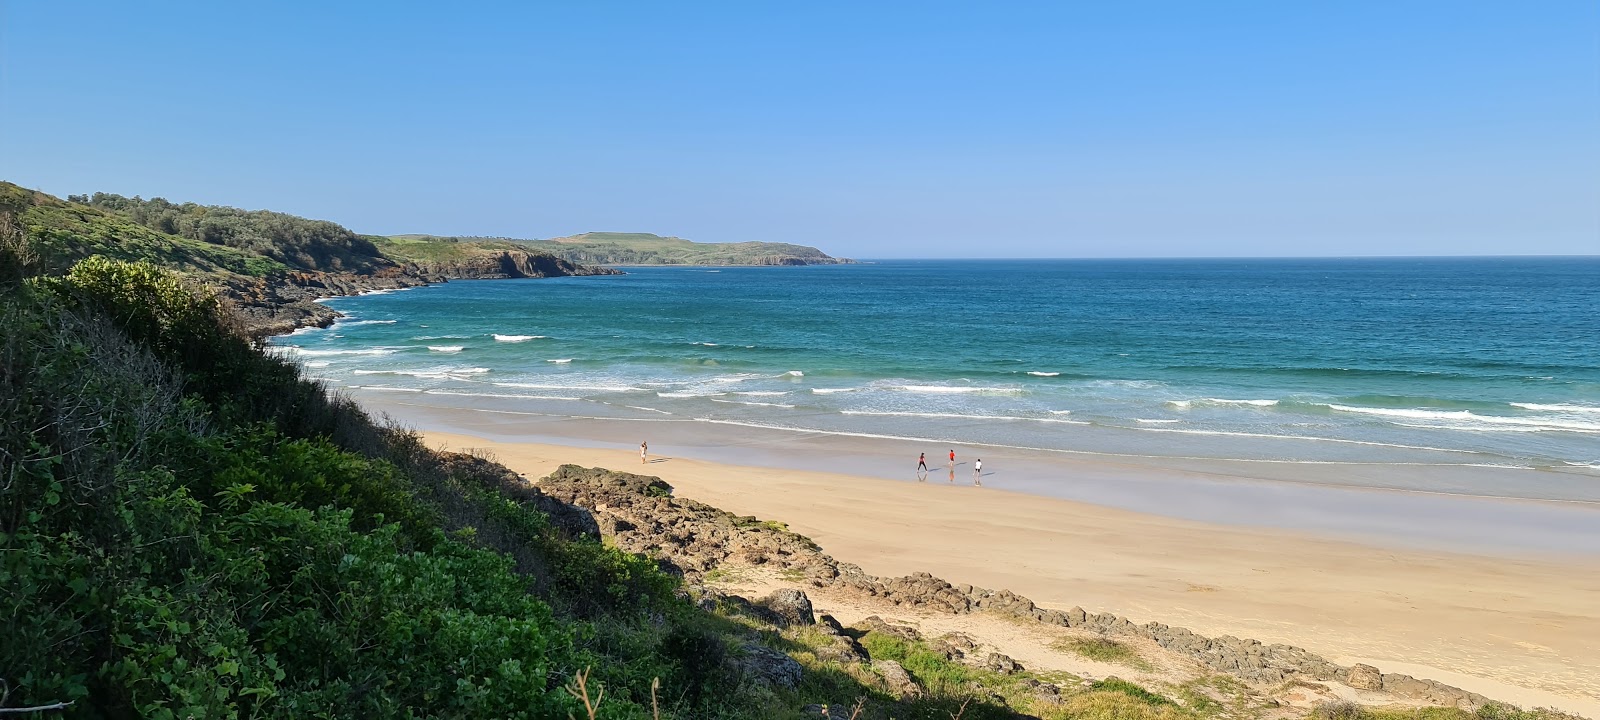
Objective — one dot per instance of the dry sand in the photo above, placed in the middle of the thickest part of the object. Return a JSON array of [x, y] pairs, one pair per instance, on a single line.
[[1521, 630]]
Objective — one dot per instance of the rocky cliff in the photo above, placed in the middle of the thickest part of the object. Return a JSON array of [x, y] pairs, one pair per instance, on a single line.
[[273, 306], [502, 265]]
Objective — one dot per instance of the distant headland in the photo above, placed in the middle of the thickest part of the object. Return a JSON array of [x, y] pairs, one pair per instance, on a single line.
[[617, 248]]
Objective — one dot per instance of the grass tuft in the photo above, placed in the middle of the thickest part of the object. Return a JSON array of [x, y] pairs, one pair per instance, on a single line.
[[1106, 650]]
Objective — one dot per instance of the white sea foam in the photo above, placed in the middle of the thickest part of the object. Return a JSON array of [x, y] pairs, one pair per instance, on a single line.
[[830, 391], [1558, 407], [762, 393], [706, 344], [960, 416], [749, 402], [518, 338], [651, 409], [687, 394], [342, 323], [949, 389], [795, 373], [441, 337], [319, 353], [431, 374], [592, 388], [304, 330], [389, 388], [499, 395], [1305, 438], [1043, 374], [560, 361], [1221, 401], [1546, 423], [1151, 420], [322, 363], [446, 348]]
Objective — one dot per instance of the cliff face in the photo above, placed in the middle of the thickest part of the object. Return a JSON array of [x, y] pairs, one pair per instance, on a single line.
[[281, 305], [501, 265]]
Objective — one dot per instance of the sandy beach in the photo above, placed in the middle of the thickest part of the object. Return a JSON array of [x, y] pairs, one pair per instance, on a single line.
[[1523, 629]]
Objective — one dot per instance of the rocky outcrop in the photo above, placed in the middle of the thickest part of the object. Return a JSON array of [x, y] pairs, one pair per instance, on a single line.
[[642, 516], [504, 264], [283, 304]]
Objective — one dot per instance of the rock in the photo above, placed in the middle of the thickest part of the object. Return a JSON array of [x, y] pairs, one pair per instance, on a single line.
[[897, 680], [876, 624], [642, 516], [765, 666], [1364, 677], [841, 649], [1002, 664], [1041, 691]]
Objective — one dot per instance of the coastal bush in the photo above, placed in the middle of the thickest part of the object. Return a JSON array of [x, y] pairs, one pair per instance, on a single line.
[[293, 241], [187, 528]]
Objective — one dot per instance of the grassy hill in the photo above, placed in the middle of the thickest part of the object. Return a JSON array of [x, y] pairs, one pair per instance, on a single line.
[[610, 248], [62, 233], [272, 265]]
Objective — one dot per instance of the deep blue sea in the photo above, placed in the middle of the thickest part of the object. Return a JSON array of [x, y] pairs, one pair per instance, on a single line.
[[1419, 361]]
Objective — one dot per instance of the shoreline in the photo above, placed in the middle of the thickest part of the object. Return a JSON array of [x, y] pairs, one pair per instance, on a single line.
[[1515, 630], [1377, 516]]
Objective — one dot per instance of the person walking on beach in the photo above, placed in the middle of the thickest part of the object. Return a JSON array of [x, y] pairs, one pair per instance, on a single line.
[[922, 462], [644, 453], [977, 470], [952, 459]]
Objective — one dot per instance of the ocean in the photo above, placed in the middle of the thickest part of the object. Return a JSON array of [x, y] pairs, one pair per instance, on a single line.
[[1353, 365]]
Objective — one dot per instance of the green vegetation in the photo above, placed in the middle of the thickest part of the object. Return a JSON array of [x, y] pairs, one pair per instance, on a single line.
[[602, 248], [1106, 650], [425, 250], [189, 529], [61, 233], [295, 242]]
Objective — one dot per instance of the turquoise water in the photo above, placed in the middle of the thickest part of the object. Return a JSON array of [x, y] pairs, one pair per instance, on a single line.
[[1436, 362]]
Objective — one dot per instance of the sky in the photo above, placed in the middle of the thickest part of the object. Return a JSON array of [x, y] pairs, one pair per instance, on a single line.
[[871, 130]]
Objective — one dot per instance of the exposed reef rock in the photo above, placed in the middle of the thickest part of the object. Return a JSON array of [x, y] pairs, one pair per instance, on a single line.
[[641, 515]]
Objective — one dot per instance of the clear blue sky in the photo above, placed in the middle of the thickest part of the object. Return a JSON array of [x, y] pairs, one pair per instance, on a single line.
[[919, 129]]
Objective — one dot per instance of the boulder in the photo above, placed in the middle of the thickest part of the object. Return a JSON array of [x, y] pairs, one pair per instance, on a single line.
[[791, 606], [897, 680], [876, 624], [1002, 664], [1364, 677], [765, 666]]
